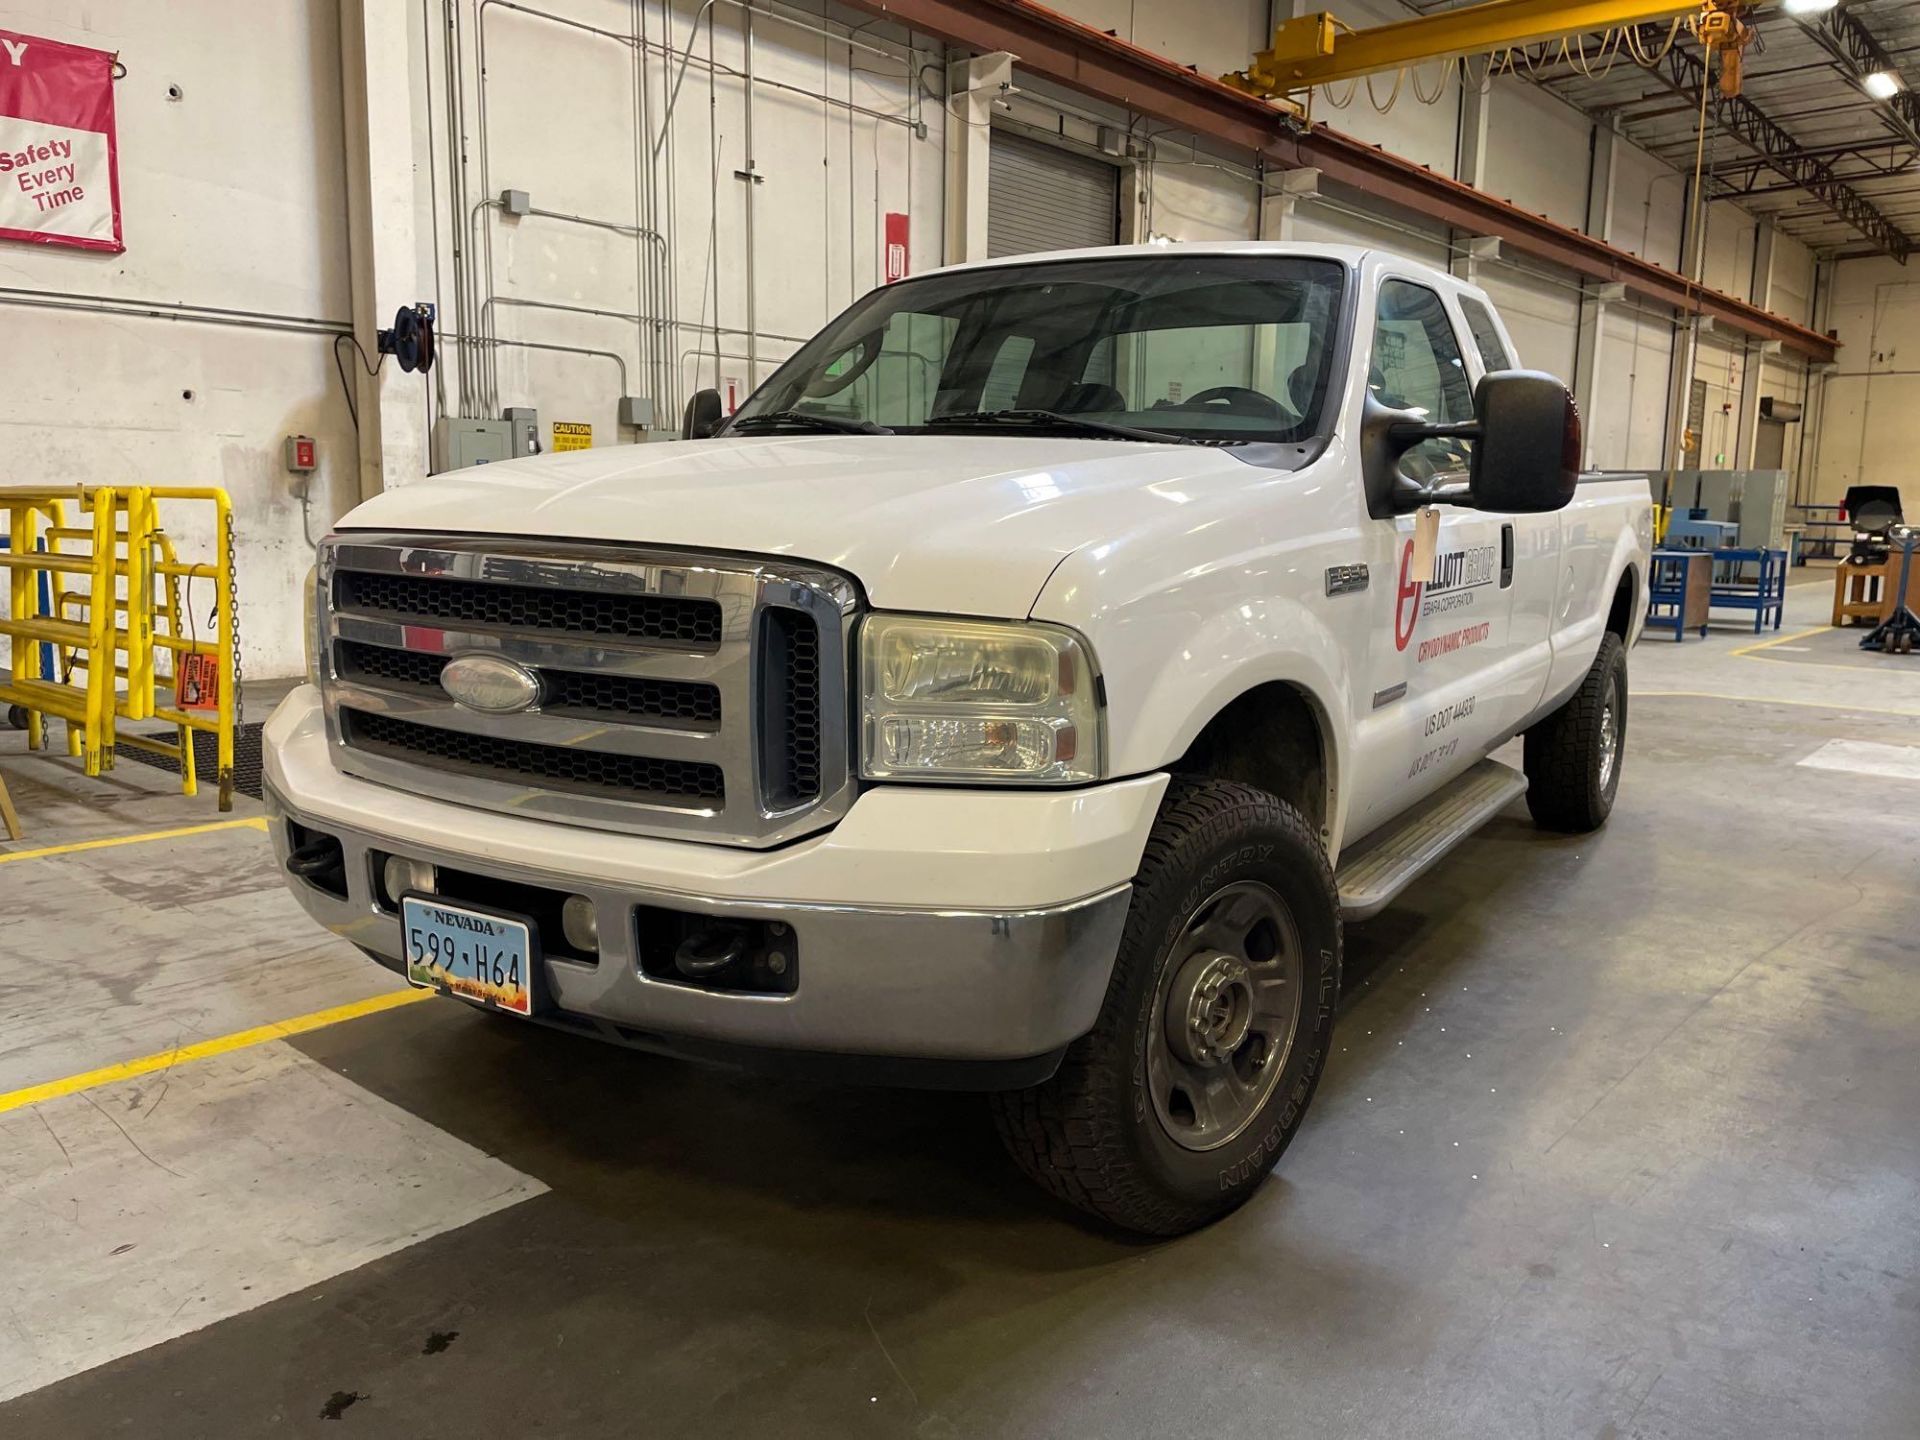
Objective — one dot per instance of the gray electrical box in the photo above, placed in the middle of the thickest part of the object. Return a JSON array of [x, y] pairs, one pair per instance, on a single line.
[[459, 443], [636, 411], [525, 421]]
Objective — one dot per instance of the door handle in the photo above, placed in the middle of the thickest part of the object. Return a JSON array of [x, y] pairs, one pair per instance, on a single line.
[[1506, 555]]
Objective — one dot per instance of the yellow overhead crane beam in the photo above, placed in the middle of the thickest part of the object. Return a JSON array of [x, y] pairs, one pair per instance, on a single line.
[[1315, 49]]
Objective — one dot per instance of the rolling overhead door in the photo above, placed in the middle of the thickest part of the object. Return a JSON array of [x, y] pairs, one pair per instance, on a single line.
[[1041, 197]]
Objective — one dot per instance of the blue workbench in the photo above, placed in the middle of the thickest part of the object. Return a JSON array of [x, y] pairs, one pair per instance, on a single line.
[[1765, 595], [1684, 585]]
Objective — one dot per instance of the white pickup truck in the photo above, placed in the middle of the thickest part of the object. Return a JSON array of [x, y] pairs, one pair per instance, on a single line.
[[1015, 694]]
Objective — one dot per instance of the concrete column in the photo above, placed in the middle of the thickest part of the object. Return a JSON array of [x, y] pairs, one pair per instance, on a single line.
[[379, 102], [973, 86], [1283, 198], [1473, 255], [1686, 339], [1135, 193], [1747, 430], [1470, 140], [1469, 167], [1595, 297], [1806, 477]]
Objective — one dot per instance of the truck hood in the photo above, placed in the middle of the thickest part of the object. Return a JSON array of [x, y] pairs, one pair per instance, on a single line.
[[969, 525]]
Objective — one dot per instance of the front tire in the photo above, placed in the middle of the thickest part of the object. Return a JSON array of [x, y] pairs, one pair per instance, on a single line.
[[1573, 756], [1216, 1025]]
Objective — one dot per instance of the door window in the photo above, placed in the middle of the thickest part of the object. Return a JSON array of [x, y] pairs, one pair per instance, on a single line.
[[1417, 366]]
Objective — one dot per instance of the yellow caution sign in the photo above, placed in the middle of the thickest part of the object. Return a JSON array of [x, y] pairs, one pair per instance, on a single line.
[[572, 435]]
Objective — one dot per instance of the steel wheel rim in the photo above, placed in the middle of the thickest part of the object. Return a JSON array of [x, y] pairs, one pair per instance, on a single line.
[[1225, 1015], [1609, 743]]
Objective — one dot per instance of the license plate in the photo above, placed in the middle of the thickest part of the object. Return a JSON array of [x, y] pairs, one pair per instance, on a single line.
[[470, 953]]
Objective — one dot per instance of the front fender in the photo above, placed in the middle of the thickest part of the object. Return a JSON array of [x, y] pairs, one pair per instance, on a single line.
[[1173, 657]]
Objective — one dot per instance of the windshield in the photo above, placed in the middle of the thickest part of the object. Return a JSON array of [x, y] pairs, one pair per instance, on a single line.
[[1221, 349]]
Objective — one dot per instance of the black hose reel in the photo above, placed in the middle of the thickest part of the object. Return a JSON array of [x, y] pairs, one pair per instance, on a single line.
[[410, 341]]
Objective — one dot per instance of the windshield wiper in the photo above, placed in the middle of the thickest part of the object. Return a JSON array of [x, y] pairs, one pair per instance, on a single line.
[[1079, 423], [807, 420]]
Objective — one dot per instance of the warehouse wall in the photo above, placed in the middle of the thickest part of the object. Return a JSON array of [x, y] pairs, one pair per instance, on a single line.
[[1870, 404], [232, 197], [840, 133]]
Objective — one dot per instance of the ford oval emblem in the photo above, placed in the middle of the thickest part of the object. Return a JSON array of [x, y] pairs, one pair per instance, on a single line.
[[490, 684]]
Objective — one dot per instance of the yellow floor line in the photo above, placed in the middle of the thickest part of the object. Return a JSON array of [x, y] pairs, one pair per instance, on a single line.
[[1779, 640], [256, 822], [205, 1049], [1768, 700]]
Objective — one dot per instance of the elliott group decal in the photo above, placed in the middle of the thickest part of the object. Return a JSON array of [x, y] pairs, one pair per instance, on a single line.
[[1456, 576]]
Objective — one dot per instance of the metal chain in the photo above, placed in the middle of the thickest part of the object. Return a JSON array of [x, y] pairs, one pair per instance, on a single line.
[[233, 622]]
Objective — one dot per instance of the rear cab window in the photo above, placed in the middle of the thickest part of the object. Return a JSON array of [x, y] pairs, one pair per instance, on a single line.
[[1486, 335]]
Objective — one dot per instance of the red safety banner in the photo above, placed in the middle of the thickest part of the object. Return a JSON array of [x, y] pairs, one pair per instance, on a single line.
[[59, 173], [896, 246]]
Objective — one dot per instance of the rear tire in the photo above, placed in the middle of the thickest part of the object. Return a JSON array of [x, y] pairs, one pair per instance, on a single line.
[[1573, 757], [1216, 1024]]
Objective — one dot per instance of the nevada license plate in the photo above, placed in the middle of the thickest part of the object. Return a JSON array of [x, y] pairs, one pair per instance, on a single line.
[[469, 953]]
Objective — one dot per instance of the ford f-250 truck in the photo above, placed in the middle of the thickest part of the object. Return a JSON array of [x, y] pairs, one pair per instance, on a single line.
[[1016, 693]]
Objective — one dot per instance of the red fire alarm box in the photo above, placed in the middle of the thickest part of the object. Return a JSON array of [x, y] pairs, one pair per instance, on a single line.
[[302, 454], [896, 233]]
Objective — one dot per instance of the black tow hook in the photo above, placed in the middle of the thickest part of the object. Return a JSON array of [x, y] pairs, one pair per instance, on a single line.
[[707, 952], [319, 856]]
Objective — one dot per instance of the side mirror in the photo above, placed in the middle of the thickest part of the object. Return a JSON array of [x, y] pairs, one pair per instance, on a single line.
[[1526, 458], [703, 415], [1526, 448]]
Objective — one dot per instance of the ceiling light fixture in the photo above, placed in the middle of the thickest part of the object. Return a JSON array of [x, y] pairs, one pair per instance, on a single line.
[[1808, 7], [1882, 84]]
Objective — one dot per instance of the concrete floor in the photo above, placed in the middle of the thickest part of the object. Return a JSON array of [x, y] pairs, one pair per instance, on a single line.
[[1622, 1138]]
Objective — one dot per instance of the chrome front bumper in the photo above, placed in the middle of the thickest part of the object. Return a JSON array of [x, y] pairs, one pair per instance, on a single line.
[[961, 985]]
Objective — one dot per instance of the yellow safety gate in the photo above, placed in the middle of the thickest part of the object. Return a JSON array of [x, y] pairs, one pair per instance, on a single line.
[[117, 560]]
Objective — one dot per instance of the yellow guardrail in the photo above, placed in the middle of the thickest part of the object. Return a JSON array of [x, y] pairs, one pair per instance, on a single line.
[[117, 560]]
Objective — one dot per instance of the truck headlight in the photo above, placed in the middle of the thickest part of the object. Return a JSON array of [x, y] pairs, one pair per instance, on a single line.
[[977, 700], [310, 623]]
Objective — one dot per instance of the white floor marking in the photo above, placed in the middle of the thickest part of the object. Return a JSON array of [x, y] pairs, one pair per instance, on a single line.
[[1866, 757], [143, 1210]]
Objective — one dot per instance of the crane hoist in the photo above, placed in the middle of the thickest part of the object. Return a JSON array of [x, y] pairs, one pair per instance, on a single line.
[[1312, 50]]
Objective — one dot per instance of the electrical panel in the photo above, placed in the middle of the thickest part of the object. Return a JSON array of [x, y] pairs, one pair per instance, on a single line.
[[459, 443], [1763, 509], [525, 420]]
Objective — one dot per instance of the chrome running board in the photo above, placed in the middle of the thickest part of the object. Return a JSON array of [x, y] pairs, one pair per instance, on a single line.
[[1388, 861]]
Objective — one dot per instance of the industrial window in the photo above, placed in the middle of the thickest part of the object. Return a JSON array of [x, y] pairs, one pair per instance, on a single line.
[[1486, 335], [1416, 365], [1043, 197]]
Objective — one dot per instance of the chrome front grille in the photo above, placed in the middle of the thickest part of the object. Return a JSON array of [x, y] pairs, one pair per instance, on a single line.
[[687, 695]]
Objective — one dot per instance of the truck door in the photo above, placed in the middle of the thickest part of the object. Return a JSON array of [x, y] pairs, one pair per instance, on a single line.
[[1532, 544], [1438, 679]]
